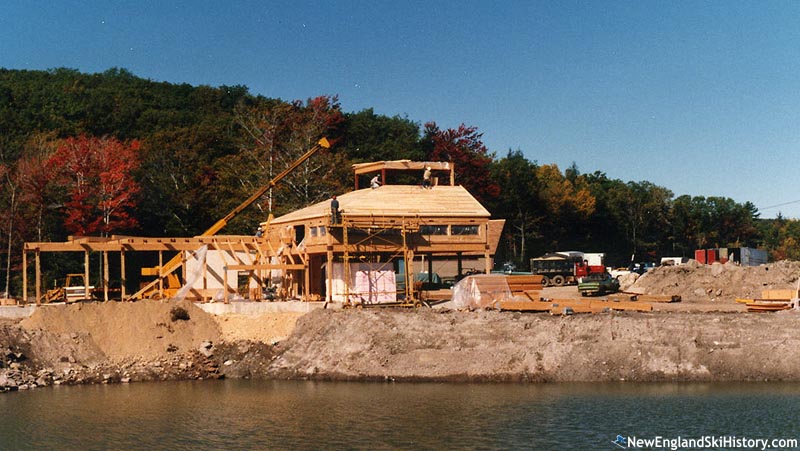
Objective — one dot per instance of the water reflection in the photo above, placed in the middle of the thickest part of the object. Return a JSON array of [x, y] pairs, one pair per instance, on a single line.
[[269, 415]]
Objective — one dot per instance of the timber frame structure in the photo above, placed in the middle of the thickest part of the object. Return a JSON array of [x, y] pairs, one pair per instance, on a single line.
[[365, 255], [231, 248], [379, 232]]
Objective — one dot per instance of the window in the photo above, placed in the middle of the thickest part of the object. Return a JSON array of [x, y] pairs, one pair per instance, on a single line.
[[433, 229], [464, 230], [313, 232]]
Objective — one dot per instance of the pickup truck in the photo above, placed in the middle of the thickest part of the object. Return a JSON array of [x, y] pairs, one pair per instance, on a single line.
[[598, 284]]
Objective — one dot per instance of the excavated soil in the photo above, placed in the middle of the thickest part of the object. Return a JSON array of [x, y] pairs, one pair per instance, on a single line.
[[705, 337], [717, 282], [494, 346]]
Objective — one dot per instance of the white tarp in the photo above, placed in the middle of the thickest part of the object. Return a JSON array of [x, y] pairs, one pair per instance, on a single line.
[[210, 268], [370, 283], [480, 291]]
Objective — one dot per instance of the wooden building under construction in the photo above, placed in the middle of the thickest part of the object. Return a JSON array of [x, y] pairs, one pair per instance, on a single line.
[[379, 248], [368, 254]]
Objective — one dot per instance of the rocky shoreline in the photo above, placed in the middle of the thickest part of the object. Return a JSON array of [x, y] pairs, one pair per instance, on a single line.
[[404, 345], [22, 369]]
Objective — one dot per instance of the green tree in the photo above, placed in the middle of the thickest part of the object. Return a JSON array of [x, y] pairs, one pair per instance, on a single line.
[[642, 208], [518, 203]]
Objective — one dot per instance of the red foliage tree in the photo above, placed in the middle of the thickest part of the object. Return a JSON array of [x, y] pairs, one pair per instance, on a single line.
[[36, 183], [96, 174], [464, 147]]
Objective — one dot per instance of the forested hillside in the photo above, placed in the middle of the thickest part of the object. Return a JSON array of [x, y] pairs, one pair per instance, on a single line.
[[112, 153]]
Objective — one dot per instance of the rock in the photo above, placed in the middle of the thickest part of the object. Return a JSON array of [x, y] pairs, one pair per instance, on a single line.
[[228, 363], [206, 348]]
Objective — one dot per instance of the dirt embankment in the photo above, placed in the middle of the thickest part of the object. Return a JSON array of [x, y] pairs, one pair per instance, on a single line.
[[493, 346], [696, 339], [123, 342]]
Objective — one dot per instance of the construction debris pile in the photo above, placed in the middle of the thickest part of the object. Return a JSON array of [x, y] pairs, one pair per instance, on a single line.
[[696, 282]]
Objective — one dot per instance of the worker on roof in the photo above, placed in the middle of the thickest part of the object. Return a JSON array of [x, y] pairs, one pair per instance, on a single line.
[[375, 182], [335, 219], [426, 177]]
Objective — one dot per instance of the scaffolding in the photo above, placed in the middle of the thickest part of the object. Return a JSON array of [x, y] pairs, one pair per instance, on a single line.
[[372, 238]]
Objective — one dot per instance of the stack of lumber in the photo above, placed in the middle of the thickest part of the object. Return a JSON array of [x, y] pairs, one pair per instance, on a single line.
[[568, 306], [525, 285], [8, 301], [645, 297], [771, 301]]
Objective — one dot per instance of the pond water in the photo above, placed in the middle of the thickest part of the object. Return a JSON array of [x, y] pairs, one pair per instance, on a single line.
[[276, 415]]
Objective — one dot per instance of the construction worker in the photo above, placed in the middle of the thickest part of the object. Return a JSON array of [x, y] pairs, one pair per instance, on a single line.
[[334, 210], [375, 182], [426, 177]]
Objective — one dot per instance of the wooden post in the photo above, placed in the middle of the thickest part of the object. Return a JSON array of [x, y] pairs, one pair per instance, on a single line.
[[225, 283], [410, 275], [486, 255], [430, 268], [86, 275], [122, 273], [329, 273], [24, 276], [160, 275], [205, 271], [307, 281], [452, 174], [38, 277], [105, 276], [184, 271]]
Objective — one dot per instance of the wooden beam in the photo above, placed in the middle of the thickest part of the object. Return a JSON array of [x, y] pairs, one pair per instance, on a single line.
[[105, 276], [38, 266], [86, 275], [295, 267], [123, 280], [24, 277]]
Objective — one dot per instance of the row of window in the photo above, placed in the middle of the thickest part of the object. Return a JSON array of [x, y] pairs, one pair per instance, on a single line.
[[454, 230], [424, 230]]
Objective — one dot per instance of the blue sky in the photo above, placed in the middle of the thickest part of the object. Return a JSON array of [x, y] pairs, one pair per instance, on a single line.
[[700, 97]]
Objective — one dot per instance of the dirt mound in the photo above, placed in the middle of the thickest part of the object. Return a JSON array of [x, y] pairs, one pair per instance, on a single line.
[[717, 282], [267, 328], [125, 331]]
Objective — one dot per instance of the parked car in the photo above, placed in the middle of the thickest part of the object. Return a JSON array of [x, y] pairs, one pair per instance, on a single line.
[[598, 284]]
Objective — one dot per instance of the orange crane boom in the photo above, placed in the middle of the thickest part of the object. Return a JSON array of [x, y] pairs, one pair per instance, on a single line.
[[175, 262]]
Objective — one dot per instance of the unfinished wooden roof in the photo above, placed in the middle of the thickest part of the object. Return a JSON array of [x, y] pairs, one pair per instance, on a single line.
[[397, 201]]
